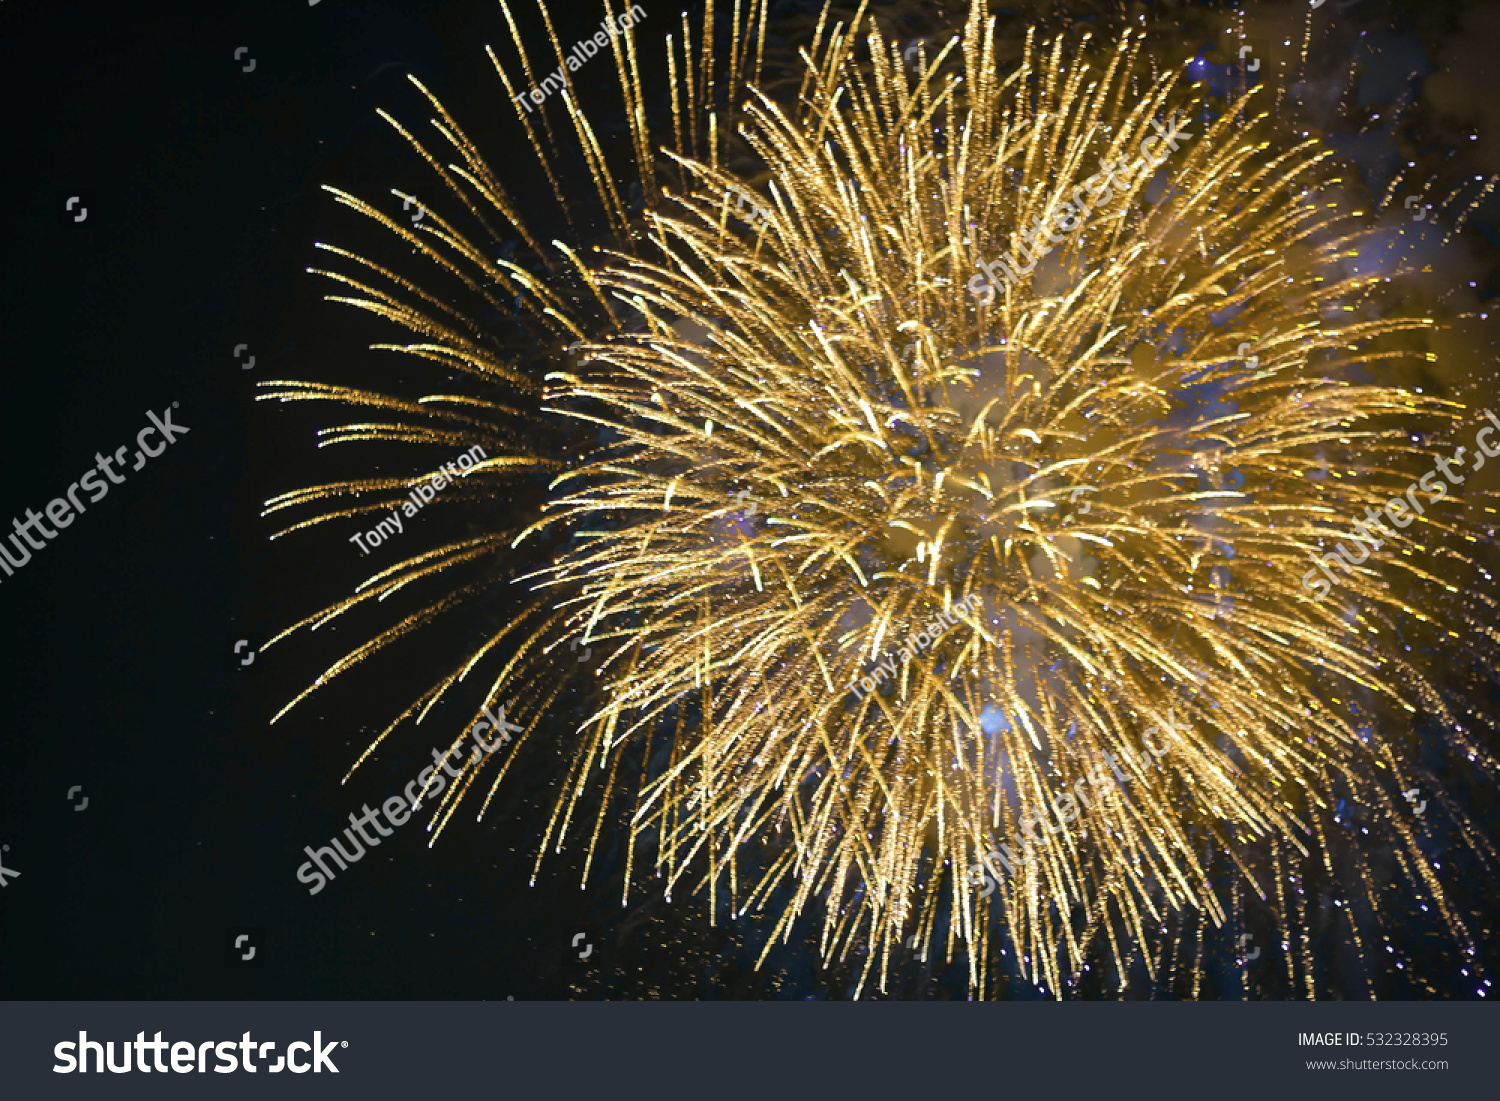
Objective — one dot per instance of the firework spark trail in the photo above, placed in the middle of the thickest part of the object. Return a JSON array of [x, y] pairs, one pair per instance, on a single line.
[[725, 355]]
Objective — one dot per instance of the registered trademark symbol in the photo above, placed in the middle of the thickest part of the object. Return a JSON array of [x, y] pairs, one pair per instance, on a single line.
[[344, 1043]]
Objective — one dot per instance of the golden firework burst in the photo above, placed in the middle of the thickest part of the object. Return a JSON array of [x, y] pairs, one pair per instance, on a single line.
[[948, 431]]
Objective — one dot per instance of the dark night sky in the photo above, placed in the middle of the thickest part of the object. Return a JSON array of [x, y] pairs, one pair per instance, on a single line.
[[201, 184]]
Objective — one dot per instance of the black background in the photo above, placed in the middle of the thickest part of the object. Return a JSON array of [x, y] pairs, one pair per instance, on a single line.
[[202, 187]]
